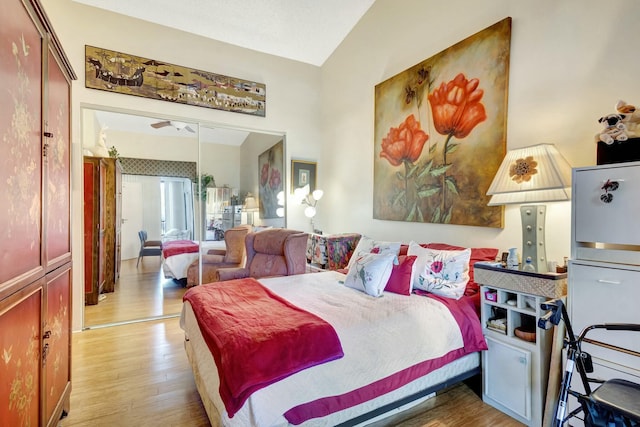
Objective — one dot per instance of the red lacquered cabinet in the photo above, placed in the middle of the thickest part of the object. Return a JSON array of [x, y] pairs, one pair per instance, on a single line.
[[35, 231]]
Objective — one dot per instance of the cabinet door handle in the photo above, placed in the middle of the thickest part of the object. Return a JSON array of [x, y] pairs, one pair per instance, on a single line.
[[609, 282], [523, 360]]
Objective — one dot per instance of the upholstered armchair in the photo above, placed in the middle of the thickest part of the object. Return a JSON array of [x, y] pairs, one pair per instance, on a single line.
[[233, 256], [272, 252]]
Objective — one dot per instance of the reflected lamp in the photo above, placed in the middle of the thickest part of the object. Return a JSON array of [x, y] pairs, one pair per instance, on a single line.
[[529, 175], [250, 206]]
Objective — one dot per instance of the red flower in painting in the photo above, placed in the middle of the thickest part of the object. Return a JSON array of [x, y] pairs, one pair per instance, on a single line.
[[264, 174], [404, 143], [275, 179], [437, 266], [456, 106]]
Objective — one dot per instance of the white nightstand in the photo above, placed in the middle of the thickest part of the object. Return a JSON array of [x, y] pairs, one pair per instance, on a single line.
[[515, 371]]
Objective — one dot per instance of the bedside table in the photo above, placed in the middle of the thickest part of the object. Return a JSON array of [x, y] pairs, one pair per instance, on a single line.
[[515, 369]]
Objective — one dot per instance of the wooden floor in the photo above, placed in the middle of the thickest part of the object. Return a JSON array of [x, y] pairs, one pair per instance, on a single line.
[[137, 375], [142, 292]]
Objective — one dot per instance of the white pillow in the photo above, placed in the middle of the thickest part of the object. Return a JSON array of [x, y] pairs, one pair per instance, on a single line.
[[440, 272], [370, 273], [366, 245]]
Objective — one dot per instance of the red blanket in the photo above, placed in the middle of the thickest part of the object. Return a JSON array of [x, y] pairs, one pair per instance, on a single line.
[[177, 247], [257, 337]]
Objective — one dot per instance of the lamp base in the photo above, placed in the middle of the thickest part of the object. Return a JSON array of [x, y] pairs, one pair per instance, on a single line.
[[533, 242]]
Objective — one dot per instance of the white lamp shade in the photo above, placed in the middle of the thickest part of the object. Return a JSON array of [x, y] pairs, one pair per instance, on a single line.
[[310, 211], [532, 174], [250, 203], [317, 194], [280, 212]]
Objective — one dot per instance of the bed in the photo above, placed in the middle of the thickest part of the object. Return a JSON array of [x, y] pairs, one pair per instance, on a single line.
[[439, 340], [177, 256]]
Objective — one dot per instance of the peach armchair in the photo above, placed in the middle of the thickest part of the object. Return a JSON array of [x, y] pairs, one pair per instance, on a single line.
[[272, 252], [233, 256]]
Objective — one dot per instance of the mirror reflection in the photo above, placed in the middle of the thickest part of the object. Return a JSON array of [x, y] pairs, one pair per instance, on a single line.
[[153, 181]]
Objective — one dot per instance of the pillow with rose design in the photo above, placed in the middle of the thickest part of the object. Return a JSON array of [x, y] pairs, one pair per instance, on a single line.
[[367, 245], [370, 273], [441, 272]]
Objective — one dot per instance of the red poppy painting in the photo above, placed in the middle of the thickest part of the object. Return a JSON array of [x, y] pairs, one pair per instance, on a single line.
[[440, 134]]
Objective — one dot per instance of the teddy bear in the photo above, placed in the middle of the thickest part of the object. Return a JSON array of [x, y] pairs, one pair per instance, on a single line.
[[615, 129], [631, 118]]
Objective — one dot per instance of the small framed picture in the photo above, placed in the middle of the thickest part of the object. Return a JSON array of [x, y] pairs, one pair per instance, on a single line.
[[303, 173]]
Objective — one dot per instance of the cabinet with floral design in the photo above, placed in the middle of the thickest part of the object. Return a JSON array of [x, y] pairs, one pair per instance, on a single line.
[[35, 237]]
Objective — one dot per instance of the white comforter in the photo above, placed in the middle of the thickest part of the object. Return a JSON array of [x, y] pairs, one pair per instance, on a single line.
[[379, 336]]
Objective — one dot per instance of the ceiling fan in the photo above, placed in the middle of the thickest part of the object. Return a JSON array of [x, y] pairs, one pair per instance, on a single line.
[[173, 123]]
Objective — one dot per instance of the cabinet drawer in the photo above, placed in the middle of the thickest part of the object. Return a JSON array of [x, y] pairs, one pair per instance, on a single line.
[[615, 222], [606, 295]]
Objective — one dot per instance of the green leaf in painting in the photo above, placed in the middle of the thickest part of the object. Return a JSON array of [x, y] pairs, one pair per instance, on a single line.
[[412, 171], [451, 148], [399, 197], [400, 176], [451, 184], [428, 191], [447, 217], [432, 149], [426, 169], [412, 213], [435, 216], [437, 171]]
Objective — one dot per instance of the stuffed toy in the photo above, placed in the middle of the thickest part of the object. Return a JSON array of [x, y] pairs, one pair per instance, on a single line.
[[631, 118], [615, 129]]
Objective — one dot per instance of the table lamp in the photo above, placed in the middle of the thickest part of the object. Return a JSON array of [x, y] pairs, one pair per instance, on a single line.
[[530, 175], [250, 207]]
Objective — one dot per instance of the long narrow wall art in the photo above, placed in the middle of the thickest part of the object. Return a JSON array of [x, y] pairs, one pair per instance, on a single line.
[[440, 134], [149, 78]]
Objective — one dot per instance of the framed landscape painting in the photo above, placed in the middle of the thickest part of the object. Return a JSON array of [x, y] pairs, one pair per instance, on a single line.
[[440, 134]]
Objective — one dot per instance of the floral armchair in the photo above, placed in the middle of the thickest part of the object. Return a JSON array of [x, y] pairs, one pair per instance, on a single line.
[[272, 252], [332, 251]]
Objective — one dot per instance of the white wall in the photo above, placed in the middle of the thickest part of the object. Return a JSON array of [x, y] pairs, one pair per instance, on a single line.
[[293, 105], [571, 60]]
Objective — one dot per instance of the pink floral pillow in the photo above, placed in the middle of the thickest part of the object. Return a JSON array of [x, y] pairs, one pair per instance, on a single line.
[[400, 280], [367, 245], [370, 273], [440, 272]]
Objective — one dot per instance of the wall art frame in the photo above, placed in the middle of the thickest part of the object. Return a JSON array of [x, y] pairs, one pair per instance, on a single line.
[[270, 180], [128, 74], [303, 172], [440, 134]]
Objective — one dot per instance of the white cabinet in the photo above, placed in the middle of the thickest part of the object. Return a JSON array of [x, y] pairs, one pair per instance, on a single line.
[[515, 371], [604, 272]]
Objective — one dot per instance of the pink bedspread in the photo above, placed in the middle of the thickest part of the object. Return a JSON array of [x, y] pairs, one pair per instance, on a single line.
[[177, 247], [256, 337]]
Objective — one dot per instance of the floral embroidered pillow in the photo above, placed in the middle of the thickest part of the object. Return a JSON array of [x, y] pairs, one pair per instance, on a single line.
[[443, 273], [367, 245], [370, 273]]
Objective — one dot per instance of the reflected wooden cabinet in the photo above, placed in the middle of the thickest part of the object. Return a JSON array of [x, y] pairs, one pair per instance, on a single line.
[[35, 239], [113, 220], [94, 234], [102, 222]]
